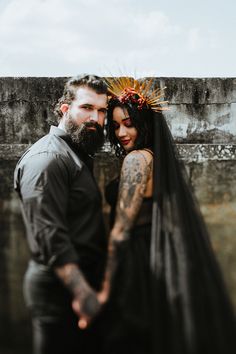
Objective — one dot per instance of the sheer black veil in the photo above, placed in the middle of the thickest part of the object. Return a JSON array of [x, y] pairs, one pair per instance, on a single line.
[[192, 313]]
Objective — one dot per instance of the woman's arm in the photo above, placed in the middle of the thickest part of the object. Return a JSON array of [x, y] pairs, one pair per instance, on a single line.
[[134, 176], [136, 170]]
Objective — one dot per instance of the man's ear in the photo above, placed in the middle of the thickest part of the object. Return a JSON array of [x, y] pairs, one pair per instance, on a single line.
[[64, 108]]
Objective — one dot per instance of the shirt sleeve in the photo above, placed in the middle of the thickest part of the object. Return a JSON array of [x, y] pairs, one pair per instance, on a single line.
[[44, 189]]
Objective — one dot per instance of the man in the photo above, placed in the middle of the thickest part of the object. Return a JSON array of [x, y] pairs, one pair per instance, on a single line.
[[61, 207]]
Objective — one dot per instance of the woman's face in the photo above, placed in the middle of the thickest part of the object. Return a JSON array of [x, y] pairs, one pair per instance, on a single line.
[[125, 132]]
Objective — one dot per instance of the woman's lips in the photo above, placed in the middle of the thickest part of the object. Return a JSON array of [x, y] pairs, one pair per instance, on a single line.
[[125, 142]]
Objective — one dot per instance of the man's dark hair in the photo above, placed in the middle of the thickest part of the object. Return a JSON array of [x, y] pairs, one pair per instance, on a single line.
[[142, 120], [92, 81]]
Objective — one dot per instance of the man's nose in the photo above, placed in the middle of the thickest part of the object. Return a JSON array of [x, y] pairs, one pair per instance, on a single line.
[[93, 116]]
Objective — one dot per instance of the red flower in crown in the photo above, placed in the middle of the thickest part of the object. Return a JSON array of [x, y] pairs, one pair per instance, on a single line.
[[140, 93], [130, 95]]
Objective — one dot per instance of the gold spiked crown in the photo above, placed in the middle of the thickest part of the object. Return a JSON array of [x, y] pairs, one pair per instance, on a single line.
[[130, 90]]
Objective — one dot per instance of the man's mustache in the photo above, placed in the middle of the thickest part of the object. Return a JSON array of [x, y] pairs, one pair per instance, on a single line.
[[93, 125]]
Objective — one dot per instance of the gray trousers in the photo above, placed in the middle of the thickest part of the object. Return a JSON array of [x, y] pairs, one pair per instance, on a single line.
[[55, 329]]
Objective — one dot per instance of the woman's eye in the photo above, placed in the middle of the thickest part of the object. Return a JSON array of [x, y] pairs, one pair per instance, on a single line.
[[115, 125], [128, 123]]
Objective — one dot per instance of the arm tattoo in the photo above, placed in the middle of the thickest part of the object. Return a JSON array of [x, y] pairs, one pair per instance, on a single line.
[[74, 280], [134, 176]]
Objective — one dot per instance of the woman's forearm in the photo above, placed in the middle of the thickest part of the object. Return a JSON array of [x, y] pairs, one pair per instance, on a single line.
[[117, 236]]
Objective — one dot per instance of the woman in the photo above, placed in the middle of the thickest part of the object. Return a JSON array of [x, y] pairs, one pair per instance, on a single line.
[[163, 291]]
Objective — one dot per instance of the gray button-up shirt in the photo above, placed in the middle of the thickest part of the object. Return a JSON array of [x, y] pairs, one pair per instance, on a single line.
[[61, 204]]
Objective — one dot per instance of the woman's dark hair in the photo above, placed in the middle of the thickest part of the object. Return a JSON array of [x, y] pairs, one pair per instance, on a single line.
[[142, 120]]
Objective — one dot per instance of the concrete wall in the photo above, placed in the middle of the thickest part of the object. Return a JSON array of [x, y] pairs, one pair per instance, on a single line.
[[202, 118]]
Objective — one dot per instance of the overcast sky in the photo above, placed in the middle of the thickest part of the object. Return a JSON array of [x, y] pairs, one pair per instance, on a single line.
[[111, 37]]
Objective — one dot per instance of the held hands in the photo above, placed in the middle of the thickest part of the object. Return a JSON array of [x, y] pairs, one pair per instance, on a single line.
[[88, 307], [86, 302]]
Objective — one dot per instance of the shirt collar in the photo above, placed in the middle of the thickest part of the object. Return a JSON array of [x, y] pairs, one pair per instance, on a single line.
[[58, 132]]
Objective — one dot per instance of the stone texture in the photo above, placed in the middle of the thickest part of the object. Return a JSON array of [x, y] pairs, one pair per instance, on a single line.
[[26, 107], [196, 91], [200, 110], [187, 152]]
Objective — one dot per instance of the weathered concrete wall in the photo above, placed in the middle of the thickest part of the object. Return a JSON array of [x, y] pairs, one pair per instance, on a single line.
[[202, 110], [202, 118]]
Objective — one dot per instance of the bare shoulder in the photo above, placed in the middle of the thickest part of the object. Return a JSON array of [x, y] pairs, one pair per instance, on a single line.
[[136, 167], [138, 157]]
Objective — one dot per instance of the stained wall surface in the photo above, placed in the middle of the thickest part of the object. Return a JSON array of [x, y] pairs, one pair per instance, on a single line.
[[202, 118]]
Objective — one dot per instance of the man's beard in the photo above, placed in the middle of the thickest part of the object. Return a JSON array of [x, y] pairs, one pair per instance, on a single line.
[[88, 136]]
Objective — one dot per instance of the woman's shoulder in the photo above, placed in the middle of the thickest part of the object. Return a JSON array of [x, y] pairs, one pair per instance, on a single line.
[[141, 156]]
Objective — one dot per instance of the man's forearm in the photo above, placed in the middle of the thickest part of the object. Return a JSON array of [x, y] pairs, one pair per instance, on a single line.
[[72, 277]]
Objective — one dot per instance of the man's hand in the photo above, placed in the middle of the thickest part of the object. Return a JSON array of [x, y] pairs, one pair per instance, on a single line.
[[92, 306], [86, 309], [85, 303]]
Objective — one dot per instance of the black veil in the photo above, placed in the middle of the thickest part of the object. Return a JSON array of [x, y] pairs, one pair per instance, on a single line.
[[192, 313]]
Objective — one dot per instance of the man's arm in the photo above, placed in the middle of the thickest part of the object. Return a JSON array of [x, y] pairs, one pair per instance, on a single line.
[[85, 302]]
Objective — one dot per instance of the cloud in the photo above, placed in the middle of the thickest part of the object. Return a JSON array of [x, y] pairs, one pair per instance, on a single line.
[[39, 36], [67, 37], [202, 40], [194, 41]]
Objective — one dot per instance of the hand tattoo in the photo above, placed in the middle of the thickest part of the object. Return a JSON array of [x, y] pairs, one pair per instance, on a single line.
[[75, 281]]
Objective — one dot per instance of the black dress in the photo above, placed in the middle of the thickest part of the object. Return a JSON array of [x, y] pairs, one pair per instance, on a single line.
[[125, 321], [139, 317]]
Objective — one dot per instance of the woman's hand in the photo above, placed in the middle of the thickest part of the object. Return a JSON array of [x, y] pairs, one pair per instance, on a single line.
[[103, 295]]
